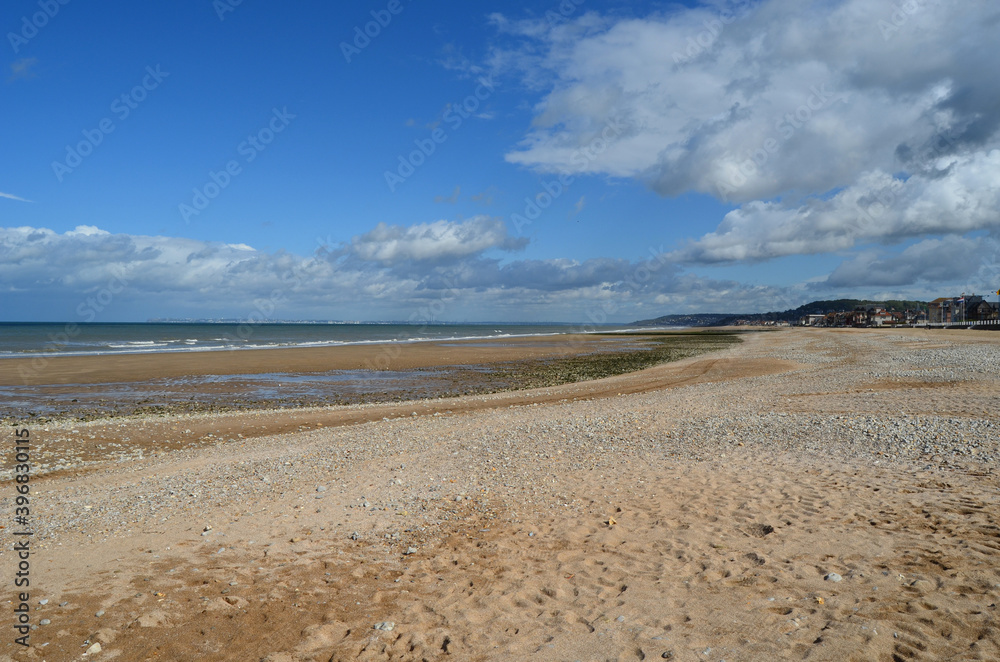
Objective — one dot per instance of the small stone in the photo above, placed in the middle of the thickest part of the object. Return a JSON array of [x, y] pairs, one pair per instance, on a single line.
[[44, 621], [620, 619], [321, 488], [833, 577], [410, 550], [94, 649], [385, 626], [63, 604], [355, 536], [99, 614], [43, 602]]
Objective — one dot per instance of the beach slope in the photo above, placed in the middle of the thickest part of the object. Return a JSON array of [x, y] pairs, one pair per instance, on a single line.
[[806, 494]]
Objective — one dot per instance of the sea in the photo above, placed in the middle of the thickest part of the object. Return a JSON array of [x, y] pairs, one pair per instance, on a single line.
[[26, 339]]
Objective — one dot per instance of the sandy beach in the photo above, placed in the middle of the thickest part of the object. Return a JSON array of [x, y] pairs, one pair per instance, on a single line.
[[806, 494]]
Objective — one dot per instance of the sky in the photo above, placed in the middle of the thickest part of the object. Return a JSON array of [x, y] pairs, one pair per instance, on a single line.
[[565, 161]]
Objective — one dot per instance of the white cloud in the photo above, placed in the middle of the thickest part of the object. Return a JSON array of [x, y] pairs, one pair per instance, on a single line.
[[86, 231], [436, 241], [391, 272], [962, 196], [833, 124], [13, 197], [812, 89]]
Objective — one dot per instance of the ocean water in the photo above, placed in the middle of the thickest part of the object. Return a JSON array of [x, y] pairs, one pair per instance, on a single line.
[[31, 339]]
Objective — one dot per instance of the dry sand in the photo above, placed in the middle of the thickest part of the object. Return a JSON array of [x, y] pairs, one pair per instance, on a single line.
[[692, 511]]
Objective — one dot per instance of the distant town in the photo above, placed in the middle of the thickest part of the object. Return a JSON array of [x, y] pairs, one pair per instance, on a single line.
[[963, 310], [955, 312]]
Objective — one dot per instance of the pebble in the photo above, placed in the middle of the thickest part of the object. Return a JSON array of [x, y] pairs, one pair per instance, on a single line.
[[44, 621], [94, 649], [410, 550], [43, 602], [833, 577], [385, 626], [99, 614]]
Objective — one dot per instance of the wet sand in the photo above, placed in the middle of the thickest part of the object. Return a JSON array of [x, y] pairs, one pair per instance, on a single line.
[[385, 356], [214, 382]]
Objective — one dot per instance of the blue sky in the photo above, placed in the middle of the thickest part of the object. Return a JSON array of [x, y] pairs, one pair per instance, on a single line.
[[527, 161]]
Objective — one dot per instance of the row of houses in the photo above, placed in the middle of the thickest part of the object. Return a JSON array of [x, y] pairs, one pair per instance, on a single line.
[[946, 310], [866, 316], [970, 308]]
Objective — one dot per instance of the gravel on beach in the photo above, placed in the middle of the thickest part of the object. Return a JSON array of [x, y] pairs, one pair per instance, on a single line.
[[824, 505]]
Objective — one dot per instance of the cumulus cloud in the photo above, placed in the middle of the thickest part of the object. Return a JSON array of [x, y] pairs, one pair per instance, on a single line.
[[392, 272], [831, 124], [86, 231], [961, 195], [434, 242], [813, 90]]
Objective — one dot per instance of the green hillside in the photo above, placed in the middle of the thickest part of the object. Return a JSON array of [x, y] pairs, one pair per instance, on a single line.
[[793, 315]]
